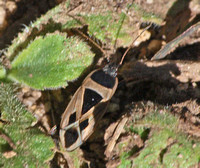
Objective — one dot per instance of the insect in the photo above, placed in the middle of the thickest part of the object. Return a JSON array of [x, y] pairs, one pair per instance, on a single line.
[[88, 105], [90, 101]]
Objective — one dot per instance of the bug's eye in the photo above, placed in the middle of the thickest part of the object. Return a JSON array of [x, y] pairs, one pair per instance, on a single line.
[[71, 136]]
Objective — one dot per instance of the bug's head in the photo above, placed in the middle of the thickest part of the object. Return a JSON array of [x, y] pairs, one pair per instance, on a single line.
[[111, 69]]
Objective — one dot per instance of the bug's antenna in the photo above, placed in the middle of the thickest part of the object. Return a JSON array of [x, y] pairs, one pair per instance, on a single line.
[[127, 50], [90, 40]]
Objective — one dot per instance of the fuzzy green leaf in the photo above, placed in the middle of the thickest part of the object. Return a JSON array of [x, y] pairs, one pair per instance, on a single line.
[[33, 148], [50, 62]]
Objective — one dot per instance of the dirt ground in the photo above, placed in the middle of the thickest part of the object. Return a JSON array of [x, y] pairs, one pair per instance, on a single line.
[[141, 89]]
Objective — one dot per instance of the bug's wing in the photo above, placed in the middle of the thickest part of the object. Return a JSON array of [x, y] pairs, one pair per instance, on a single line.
[[88, 124], [76, 128], [69, 134], [102, 95], [74, 132]]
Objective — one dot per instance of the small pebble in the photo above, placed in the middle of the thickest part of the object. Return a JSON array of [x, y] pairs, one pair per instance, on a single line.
[[3, 22], [11, 6]]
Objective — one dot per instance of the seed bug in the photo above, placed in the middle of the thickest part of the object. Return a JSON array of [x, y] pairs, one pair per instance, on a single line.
[[89, 104], [90, 101]]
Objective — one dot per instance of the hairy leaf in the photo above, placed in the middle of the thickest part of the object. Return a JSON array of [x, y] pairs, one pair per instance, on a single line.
[[32, 147], [50, 62]]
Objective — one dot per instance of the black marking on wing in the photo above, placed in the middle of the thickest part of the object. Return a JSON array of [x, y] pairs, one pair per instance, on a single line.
[[83, 125], [72, 118], [91, 98], [71, 137]]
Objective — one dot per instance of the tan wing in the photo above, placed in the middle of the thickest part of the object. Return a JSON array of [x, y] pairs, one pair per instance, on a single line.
[[69, 136]]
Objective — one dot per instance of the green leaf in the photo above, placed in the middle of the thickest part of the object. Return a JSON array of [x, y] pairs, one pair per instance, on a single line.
[[50, 62], [33, 148]]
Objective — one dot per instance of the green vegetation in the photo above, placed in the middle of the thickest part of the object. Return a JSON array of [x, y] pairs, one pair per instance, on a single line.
[[31, 147], [166, 145]]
